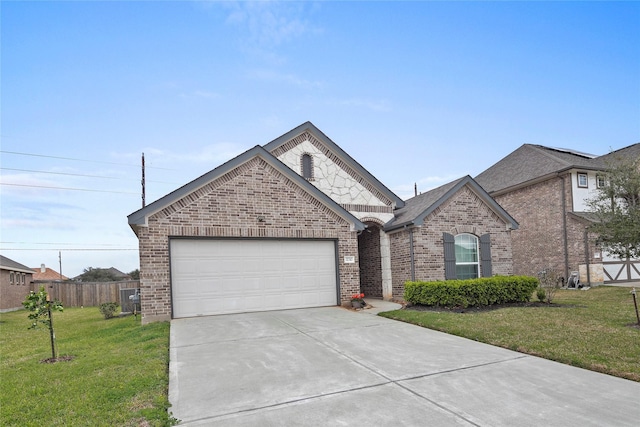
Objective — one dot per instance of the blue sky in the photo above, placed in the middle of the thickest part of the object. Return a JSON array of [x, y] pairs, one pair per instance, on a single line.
[[421, 92]]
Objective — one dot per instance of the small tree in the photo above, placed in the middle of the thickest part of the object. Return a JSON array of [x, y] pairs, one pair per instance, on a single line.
[[40, 307], [617, 208], [549, 282]]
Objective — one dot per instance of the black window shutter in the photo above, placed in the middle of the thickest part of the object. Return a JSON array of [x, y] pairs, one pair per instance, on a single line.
[[485, 255], [449, 256]]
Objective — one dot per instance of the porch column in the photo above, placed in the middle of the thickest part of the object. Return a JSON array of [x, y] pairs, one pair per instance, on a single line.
[[385, 261]]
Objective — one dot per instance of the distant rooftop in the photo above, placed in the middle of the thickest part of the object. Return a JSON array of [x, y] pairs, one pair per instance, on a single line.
[[48, 274]]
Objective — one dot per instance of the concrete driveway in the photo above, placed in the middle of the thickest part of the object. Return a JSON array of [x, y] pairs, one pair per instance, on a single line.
[[335, 367]]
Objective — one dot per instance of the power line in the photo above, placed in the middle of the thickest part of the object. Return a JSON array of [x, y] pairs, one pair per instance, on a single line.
[[79, 160], [69, 249], [69, 188], [83, 175], [57, 243]]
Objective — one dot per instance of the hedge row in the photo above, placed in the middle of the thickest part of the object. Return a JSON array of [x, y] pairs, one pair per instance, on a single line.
[[471, 292]]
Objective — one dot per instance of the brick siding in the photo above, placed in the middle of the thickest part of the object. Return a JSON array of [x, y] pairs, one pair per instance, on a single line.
[[229, 207], [370, 261], [539, 242], [12, 295], [462, 213]]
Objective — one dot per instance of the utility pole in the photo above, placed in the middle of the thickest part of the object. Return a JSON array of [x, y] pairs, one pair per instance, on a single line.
[[60, 262], [143, 189]]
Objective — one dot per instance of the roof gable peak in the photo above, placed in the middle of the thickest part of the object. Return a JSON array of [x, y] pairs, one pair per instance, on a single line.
[[420, 207], [308, 131], [139, 218]]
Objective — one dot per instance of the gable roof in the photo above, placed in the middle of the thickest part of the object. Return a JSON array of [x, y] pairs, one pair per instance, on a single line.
[[529, 163], [48, 274], [419, 207], [534, 163], [335, 149], [9, 264], [606, 160], [139, 218]]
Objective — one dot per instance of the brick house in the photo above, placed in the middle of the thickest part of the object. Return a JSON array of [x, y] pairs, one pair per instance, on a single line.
[[15, 284], [546, 190], [299, 223]]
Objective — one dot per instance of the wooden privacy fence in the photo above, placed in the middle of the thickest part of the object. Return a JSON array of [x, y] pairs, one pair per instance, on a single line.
[[83, 294]]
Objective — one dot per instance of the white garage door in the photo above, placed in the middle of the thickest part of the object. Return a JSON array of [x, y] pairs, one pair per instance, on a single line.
[[234, 276]]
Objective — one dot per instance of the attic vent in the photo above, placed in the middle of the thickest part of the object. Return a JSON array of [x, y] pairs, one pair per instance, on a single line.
[[307, 167]]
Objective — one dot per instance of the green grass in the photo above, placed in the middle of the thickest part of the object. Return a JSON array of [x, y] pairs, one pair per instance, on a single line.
[[590, 329], [118, 374]]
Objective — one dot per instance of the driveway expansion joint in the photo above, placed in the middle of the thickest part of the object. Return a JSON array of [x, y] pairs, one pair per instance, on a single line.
[[289, 402]]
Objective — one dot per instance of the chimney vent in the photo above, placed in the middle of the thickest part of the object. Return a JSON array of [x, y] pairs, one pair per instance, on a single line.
[[42, 268]]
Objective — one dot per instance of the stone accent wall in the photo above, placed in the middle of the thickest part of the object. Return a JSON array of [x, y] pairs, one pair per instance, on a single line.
[[370, 261], [540, 241], [334, 177], [462, 213], [229, 207]]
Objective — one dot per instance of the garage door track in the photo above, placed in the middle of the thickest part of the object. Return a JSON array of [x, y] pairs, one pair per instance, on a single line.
[[331, 366]]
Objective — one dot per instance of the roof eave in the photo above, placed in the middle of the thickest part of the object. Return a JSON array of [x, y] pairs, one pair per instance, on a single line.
[[140, 217], [308, 126], [393, 227], [478, 190]]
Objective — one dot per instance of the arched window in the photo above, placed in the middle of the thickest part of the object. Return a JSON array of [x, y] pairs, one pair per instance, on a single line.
[[307, 167], [467, 259]]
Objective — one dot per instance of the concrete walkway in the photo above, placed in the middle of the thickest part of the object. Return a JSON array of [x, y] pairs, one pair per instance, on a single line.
[[336, 367]]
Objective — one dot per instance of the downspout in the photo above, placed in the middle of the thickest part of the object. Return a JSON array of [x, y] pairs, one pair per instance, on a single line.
[[586, 255], [564, 230], [411, 256]]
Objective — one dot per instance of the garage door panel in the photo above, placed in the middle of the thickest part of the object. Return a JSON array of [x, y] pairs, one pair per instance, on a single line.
[[232, 276]]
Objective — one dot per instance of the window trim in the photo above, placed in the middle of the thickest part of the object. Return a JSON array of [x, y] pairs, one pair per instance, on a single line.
[[477, 262], [586, 179], [604, 181]]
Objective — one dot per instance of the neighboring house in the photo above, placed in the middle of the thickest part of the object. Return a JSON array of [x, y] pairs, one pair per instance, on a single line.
[[102, 274], [299, 223], [546, 190], [46, 274], [15, 284]]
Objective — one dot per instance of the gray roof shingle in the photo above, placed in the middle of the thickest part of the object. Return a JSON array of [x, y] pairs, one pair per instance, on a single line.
[[417, 208], [608, 159], [531, 162], [9, 264]]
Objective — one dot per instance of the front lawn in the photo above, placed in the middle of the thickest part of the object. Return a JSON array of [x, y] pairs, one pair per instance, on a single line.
[[118, 374], [591, 329]]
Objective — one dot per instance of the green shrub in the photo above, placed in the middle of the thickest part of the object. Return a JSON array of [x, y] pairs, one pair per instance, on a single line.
[[108, 309], [541, 294], [471, 292]]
